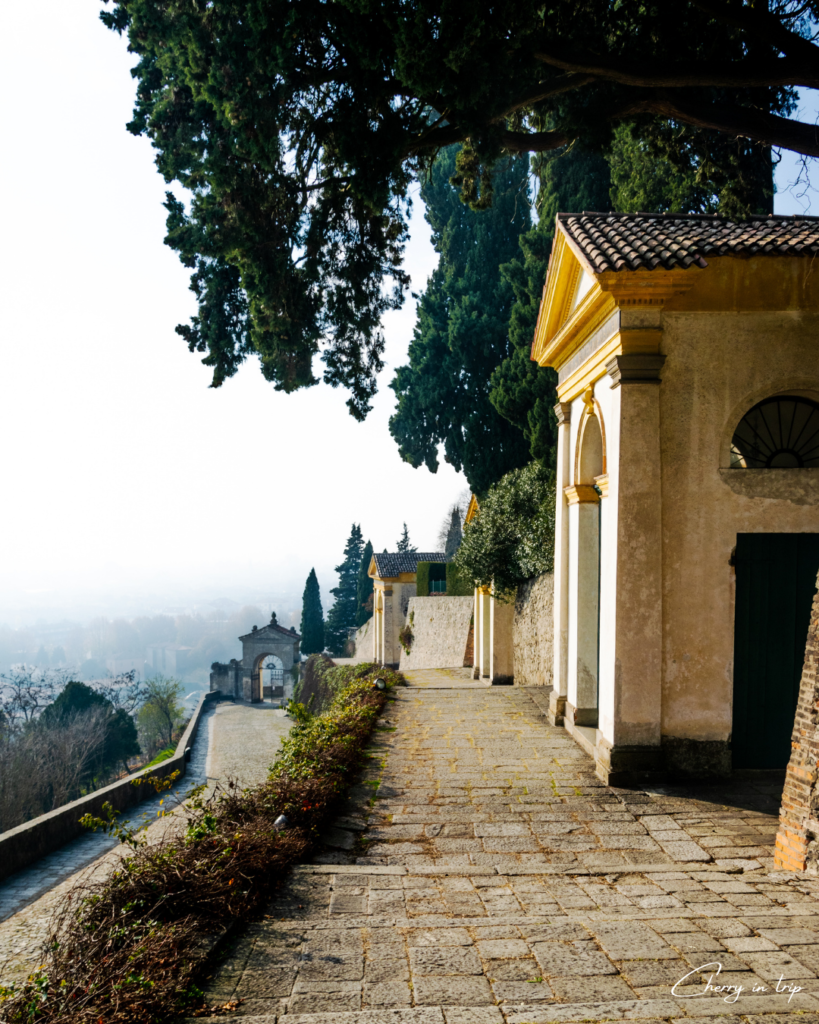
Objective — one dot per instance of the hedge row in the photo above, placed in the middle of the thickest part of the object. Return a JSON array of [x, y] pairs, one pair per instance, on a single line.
[[129, 949], [457, 585]]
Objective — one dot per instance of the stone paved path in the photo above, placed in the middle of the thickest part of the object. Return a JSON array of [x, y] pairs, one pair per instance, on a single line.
[[237, 741], [444, 678], [494, 879]]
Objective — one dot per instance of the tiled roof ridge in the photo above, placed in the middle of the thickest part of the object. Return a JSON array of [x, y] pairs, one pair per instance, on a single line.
[[670, 241], [394, 562]]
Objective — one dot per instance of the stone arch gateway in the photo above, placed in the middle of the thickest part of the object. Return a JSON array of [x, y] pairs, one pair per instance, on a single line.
[[244, 679]]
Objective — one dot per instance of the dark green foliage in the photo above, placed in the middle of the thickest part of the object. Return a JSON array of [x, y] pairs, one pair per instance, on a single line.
[[457, 585], [120, 739], [658, 171], [461, 331], [512, 537], [364, 590], [322, 681], [404, 544], [522, 391], [74, 699], [344, 613], [429, 573], [312, 617], [299, 128], [119, 733]]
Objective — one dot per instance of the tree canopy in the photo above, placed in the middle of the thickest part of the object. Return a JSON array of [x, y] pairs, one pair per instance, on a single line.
[[299, 126], [512, 537], [118, 736]]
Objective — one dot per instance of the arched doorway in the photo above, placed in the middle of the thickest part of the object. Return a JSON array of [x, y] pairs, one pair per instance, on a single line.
[[584, 570], [272, 669], [268, 677]]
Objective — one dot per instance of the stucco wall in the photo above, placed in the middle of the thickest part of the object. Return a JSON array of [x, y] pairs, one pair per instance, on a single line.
[[719, 365], [441, 628], [533, 632]]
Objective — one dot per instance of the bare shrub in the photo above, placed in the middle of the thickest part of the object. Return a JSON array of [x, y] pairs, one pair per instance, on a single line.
[[128, 949]]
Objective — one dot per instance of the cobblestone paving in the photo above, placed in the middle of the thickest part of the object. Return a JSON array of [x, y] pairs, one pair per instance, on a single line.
[[494, 879], [237, 741]]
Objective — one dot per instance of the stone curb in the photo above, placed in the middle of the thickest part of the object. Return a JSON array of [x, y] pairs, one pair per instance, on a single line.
[[476, 870]]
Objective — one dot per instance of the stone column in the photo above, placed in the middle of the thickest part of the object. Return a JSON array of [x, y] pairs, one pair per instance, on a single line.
[[476, 634], [486, 625], [583, 594], [632, 679], [797, 842], [388, 628], [557, 700], [376, 617], [501, 657]]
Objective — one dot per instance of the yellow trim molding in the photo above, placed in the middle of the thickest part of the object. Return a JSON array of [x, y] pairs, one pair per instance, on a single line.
[[581, 494]]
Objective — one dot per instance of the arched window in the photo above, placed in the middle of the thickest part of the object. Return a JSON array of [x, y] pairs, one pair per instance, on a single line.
[[778, 433]]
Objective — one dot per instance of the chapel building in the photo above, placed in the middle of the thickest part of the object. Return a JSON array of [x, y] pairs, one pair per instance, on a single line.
[[687, 520]]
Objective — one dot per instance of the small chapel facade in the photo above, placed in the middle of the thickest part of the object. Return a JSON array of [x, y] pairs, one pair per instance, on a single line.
[[271, 651], [687, 518], [394, 575]]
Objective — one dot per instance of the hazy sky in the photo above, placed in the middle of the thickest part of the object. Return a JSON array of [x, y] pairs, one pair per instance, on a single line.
[[123, 472]]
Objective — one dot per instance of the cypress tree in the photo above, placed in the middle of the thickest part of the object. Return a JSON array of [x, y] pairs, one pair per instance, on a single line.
[[365, 586], [461, 331], [404, 544], [521, 391], [312, 617], [454, 534], [344, 613]]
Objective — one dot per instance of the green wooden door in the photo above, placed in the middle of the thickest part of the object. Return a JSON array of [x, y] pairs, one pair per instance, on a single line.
[[776, 581]]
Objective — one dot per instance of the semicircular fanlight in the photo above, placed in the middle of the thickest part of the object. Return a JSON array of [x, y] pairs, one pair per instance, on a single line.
[[778, 433]]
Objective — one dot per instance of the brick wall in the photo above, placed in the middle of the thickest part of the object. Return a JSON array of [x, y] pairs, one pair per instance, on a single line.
[[797, 842]]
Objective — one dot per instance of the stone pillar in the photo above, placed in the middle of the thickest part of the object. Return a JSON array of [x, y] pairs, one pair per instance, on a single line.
[[486, 625], [377, 626], [557, 700], [390, 656], [583, 601], [501, 657], [797, 842], [476, 634], [631, 681]]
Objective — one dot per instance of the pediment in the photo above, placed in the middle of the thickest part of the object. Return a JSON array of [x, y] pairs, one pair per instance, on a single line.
[[570, 285], [270, 634]]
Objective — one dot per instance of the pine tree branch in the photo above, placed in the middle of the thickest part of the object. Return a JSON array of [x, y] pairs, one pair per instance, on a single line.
[[769, 129], [759, 22], [742, 75]]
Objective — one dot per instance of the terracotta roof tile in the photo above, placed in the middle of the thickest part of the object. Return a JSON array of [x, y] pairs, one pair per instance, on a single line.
[[647, 241]]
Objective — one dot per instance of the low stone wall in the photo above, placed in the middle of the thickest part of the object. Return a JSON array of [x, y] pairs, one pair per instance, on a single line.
[[440, 627], [26, 843], [532, 632], [364, 642], [797, 842]]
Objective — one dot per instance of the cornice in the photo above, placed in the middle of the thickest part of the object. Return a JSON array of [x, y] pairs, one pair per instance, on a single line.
[[560, 331]]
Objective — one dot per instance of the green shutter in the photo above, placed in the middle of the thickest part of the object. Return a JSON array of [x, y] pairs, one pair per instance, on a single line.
[[776, 581]]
